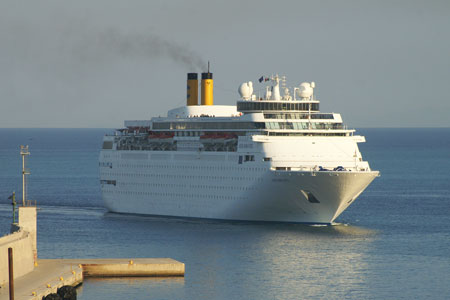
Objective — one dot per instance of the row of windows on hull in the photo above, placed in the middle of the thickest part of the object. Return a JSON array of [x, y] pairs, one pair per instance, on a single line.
[[299, 116], [243, 125], [124, 185], [276, 106], [307, 134], [173, 195], [302, 125], [207, 125]]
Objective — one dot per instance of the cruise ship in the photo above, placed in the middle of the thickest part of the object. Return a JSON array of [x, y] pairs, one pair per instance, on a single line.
[[271, 157]]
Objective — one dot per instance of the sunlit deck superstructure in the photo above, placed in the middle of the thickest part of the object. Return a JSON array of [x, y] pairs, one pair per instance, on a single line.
[[272, 157]]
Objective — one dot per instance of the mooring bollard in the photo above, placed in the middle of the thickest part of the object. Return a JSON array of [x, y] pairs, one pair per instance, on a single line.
[[11, 273]]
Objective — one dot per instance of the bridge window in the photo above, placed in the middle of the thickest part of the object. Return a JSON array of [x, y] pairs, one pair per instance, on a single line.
[[276, 106]]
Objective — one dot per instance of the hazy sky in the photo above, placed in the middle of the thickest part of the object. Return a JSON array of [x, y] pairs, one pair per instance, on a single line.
[[97, 63]]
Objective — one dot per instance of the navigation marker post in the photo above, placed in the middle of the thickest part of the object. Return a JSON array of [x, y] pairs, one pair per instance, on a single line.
[[24, 151]]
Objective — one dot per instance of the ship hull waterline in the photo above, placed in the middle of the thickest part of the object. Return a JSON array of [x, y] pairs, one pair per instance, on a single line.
[[316, 197]]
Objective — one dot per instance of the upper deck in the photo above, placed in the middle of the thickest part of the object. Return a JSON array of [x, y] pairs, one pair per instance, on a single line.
[[292, 113]]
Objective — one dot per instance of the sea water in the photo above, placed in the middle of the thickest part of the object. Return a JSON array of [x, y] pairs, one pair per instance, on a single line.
[[392, 243]]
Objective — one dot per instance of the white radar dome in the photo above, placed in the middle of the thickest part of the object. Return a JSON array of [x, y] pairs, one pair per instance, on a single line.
[[246, 90], [305, 90]]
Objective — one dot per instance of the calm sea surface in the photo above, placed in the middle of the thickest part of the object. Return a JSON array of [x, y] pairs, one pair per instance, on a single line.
[[392, 243]]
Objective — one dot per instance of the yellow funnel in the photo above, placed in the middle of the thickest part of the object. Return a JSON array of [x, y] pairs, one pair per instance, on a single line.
[[207, 89], [192, 89]]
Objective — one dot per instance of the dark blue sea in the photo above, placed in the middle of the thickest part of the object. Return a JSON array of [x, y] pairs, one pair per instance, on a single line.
[[392, 243]]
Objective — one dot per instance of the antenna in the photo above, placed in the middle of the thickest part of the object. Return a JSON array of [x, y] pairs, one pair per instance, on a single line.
[[283, 81], [208, 66], [24, 152]]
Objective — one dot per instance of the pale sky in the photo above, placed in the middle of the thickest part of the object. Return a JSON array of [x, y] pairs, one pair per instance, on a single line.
[[97, 63]]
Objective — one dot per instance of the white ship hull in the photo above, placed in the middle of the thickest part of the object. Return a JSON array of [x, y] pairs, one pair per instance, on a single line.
[[215, 186]]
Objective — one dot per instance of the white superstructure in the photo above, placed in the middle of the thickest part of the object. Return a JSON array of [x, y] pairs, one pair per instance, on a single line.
[[272, 157]]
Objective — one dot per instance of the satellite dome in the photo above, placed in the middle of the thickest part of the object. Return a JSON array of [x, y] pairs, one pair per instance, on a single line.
[[305, 90], [246, 90]]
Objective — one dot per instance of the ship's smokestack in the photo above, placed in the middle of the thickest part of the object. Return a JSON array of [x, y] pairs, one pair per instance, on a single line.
[[192, 89], [207, 88]]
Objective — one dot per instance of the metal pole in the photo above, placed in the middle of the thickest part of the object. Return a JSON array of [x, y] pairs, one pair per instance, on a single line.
[[11, 274], [23, 180], [24, 151]]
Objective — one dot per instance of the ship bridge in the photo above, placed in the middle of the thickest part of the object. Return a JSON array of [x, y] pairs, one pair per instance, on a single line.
[[298, 99], [251, 106]]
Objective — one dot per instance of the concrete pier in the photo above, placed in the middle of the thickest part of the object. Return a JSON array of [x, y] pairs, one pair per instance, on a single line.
[[51, 274], [147, 267]]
